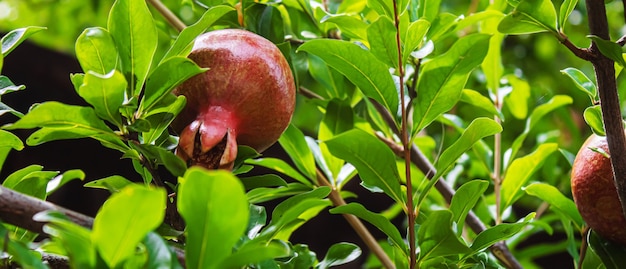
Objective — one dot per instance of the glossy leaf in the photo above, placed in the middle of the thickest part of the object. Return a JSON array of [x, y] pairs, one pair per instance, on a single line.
[[360, 67], [557, 201], [48, 134], [613, 255], [105, 93], [414, 37], [436, 238], [260, 181], [380, 222], [215, 209], [351, 26], [479, 101], [338, 254], [466, 198], [593, 117], [111, 183], [165, 77], [565, 10], [15, 37], [381, 35], [498, 233], [135, 34], [183, 42], [75, 239], [536, 115], [582, 82], [442, 79], [161, 120], [19, 252], [530, 16], [282, 167], [517, 100], [292, 140], [260, 195], [374, 161], [95, 51], [329, 78], [339, 118], [520, 170], [159, 253], [294, 211], [9, 140], [125, 219], [7, 86], [428, 9], [609, 49], [58, 181], [55, 114], [254, 253]]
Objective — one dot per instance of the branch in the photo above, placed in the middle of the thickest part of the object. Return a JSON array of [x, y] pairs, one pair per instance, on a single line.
[[582, 53], [168, 15], [357, 225], [609, 99]]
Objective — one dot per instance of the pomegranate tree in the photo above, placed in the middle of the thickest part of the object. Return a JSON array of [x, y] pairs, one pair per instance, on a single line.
[[247, 97], [594, 192]]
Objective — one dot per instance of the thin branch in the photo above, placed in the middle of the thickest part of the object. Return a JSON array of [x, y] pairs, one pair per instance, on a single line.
[[168, 15], [582, 53], [357, 225], [622, 40]]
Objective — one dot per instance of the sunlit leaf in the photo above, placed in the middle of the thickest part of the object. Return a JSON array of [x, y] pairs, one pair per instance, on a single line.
[[10, 140], [499, 232], [95, 51], [593, 117], [163, 118], [13, 38], [442, 80], [135, 34], [159, 253], [557, 201], [479, 101], [414, 37], [105, 92], [215, 209], [338, 118], [520, 170], [381, 35], [566, 9], [257, 252], [280, 166], [113, 183], [62, 179], [360, 67], [338, 254], [20, 253], [292, 140], [582, 82], [466, 198], [75, 239], [436, 238], [609, 49], [428, 9], [125, 219], [517, 100], [349, 25], [374, 161], [530, 16]]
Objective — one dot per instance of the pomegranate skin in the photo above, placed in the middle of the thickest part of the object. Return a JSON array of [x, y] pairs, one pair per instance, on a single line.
[[594, 191], [247, 96]]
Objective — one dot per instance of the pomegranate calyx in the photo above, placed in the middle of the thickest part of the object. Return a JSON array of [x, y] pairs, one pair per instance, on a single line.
[[209, 149]]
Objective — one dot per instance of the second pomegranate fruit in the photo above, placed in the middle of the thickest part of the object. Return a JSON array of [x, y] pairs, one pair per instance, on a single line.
[[247, 97]]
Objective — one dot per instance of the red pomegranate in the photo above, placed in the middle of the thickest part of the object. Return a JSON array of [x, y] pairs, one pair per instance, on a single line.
[[247, 97], [594, 191]]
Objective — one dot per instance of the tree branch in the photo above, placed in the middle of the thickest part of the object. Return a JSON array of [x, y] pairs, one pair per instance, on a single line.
[[168, 15], [609, 99]]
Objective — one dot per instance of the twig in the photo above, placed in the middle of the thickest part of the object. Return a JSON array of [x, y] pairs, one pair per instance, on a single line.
[[609, 99], [168, 15], [357, 225], [622, 40], [582, 53]]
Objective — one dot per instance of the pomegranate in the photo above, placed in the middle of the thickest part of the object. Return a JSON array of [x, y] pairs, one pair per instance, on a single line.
[[247, 97], [594, 191]]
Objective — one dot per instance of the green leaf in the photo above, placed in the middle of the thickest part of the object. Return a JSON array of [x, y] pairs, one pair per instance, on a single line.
[[9, 140], [517, 100], [350, 25], [293, 142], [374, 161], [582, 82], [383, 8], [609, 49], [478, 100], [7, 86], [557, 201], [105, 93], [215, 209], [58, 181], [12, 39], [530, 16], [442, 79], [381, 35], [282, 167], [413, 37], [465, 199], [95, 51], [47, 134], [19, 252], [566, 9], [56, 115], [436, 238], [75, 239], [380, 222], [161, 120], [135, 34], [125, 219], [183, 42], [338, 118], [613, 255], [159, 253], [498, 233], [360, 67], [338, 254], [165, 77], [537, 114], [254, 253], [520, 170], [294, 211], [428, 9], [113, 183], [593, 117]]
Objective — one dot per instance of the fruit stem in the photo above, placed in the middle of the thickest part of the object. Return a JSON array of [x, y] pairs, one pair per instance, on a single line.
[[609, 98]]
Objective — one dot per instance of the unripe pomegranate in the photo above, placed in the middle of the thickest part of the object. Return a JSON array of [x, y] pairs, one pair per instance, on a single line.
[[594, 191], [246, 97]]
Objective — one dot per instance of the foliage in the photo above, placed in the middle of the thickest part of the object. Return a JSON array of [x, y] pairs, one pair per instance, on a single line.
[[377, 78]]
